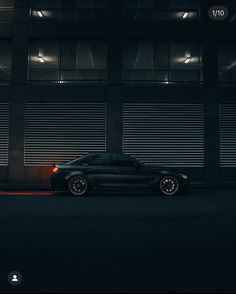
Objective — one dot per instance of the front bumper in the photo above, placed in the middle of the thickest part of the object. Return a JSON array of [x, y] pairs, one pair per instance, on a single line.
[[185, 185]]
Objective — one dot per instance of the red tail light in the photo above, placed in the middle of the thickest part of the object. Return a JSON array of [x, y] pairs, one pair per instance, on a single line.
[[55, 170]]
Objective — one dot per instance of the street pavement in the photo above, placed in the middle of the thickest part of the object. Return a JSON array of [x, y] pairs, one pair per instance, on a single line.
[[119, 243]]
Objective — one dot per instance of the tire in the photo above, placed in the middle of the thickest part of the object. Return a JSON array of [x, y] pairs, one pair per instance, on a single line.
[[78, 186], [169, 186]]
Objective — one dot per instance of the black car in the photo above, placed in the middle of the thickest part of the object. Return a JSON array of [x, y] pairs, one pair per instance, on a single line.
[[115, 171]]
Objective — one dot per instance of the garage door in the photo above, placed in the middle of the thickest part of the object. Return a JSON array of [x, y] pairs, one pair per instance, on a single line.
[[59, 132], [165, 134], [228, 135], [4, 132]]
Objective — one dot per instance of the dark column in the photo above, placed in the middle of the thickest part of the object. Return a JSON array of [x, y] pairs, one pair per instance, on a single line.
[[211, 112], [114, 126], [18, 92], [114, 87]]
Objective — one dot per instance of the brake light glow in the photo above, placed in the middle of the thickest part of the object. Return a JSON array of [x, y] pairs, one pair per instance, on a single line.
[[55, 170]]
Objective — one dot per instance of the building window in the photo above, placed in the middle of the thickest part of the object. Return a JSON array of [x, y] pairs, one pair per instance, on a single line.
[[227, 63], [6, 10], [231, 5], [67, 61], [50, 10], [162, 62], [5, 61], [91, 9], [163, 10]]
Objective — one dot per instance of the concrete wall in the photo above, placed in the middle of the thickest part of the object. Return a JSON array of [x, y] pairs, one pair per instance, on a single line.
[[115, 92]]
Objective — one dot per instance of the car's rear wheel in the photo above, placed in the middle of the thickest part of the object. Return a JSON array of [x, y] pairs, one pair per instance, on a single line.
[[169, 186], [78, 186]]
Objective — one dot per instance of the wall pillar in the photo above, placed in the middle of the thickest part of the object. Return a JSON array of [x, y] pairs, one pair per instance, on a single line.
[[211, 103], [114, 77], [18, 92]]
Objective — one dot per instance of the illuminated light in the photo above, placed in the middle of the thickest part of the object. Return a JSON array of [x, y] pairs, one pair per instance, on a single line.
[[40, 14], [184, 176], [41, 59], [185, 15], [25, 193], [187, 60], [55, 170]]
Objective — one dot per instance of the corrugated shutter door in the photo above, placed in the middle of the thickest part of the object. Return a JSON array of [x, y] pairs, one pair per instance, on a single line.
[[4, 133], [6, 4], [227, 135], [164, 134], [59, 132]]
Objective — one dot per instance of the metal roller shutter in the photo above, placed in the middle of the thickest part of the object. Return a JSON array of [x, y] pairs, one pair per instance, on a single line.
[[4, 133], [59, 132], [227, 135], [6, 4], [164, 134]]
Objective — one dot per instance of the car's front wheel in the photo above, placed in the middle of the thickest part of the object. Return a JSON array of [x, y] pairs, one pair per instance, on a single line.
[[78, 186], [169, 186]]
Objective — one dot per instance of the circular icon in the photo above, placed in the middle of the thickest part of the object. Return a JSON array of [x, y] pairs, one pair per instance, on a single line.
[[15, 278], [218, 12]]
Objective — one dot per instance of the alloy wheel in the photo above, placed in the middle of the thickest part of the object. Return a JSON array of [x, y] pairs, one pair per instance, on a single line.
[[169, 185], [78, 186]]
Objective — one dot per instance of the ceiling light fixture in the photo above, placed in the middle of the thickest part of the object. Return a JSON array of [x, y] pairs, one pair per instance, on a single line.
[[40, 14], [187, 59], [41, 59], [185, 15]]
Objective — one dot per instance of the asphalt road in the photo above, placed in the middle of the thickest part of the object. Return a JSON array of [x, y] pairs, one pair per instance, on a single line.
[[128, 243]]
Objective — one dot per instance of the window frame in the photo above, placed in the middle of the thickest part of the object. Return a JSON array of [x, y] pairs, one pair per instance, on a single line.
[[76, 69], [169, 70]]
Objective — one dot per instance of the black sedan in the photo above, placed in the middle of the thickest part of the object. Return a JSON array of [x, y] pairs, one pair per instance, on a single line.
[[117, 172]]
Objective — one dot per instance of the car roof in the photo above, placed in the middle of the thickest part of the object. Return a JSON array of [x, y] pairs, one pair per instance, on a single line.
[[108, 153]]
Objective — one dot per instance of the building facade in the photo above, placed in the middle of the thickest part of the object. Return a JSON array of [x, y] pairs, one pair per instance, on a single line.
[[155, 79]]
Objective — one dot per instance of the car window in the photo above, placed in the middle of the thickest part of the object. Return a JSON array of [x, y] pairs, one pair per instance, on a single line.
[[88, 159], [101, 160], [83, 160], [121, 160]]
